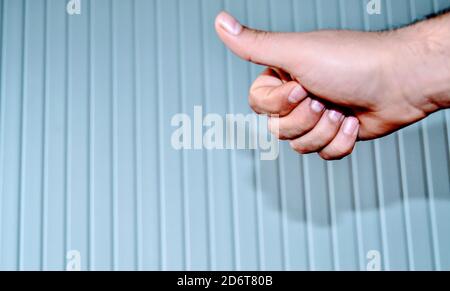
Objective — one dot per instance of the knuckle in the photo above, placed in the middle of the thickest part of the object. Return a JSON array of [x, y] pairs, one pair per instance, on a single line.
[[293, 128], [300, 148], [322, 138], [284, 133], [336, 152], [253, 102], [324, 155], [259, 37], [330, 157], [292, 131], [282, 136], [282, 111], [254, 87], [272, 105]]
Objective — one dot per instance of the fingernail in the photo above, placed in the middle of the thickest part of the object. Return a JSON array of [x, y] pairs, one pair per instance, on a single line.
[[316, 106], [350, 125], [334, 115], [296, 95], [230, 24]]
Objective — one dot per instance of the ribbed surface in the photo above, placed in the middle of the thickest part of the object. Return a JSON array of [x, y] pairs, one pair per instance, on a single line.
[[86, 162]]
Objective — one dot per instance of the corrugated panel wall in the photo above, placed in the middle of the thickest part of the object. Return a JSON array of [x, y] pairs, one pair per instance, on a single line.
[[87, 164]]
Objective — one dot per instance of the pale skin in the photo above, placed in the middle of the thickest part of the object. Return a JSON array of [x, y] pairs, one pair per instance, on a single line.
[[326, 90]]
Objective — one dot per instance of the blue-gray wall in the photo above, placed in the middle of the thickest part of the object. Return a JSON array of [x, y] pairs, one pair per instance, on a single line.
[[86, 162]]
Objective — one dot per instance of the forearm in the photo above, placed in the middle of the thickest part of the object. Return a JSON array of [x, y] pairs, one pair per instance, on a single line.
[[433, 38]]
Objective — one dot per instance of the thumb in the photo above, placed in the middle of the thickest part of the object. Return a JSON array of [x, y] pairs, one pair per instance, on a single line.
[[260, 47]]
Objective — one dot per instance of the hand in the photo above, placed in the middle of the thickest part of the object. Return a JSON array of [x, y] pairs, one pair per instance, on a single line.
[[332, 88]]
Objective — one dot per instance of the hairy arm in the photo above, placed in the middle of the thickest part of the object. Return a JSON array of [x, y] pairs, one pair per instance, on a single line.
[[435, 33]]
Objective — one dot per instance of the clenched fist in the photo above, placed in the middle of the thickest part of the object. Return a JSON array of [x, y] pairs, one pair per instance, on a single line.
[[325, 90]]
